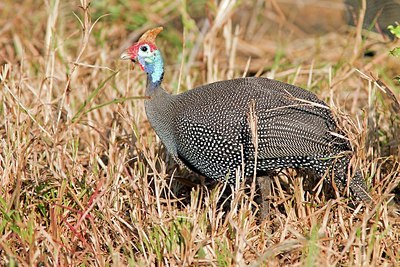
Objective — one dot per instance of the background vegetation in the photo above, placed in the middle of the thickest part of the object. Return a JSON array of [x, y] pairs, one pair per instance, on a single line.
[[85, 182]]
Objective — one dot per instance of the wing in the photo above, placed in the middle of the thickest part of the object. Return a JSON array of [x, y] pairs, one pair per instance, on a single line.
[[296, 124]]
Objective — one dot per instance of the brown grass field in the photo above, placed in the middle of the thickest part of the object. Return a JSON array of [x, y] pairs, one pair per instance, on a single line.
[[86, 182]]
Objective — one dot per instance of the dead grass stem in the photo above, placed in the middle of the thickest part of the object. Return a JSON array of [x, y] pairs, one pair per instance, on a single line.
[[84, 181]]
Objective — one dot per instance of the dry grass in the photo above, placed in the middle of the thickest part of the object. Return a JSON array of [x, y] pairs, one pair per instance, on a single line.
[[83, 178]]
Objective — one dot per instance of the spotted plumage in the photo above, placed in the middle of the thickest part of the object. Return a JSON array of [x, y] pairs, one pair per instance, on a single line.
[[218, 128]]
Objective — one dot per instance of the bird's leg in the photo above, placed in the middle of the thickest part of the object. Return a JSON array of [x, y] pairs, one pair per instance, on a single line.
[[264, 184]]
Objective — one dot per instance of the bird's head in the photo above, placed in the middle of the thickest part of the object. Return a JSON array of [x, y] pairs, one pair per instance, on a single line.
[[145, 51]]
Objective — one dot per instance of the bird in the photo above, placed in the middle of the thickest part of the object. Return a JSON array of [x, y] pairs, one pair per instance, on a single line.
[[248, 126]]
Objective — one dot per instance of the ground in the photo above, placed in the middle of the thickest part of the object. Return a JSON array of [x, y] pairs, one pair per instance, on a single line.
[[85, 181]]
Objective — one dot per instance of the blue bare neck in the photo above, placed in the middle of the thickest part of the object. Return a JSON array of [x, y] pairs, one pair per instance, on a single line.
[[154, 67]]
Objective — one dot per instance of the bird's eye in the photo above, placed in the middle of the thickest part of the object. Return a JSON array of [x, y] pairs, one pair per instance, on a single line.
[[143, 48]]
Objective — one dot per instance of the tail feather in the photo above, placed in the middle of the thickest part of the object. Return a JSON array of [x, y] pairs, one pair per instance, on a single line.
[[359, 189]]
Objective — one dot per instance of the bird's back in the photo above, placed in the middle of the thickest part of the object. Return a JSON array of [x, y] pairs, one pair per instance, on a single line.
[[214, 126]]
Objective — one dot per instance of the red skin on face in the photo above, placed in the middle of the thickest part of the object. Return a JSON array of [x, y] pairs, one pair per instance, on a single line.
[[134, 50]]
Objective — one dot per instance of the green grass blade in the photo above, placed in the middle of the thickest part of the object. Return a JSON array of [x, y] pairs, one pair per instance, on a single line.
[[115, 101], [91, 97]]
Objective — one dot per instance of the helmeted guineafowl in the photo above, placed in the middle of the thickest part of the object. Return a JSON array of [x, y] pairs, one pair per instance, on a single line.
[[258, 123]]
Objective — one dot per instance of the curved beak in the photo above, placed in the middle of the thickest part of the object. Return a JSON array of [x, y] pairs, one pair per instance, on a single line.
[[125, 55]]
